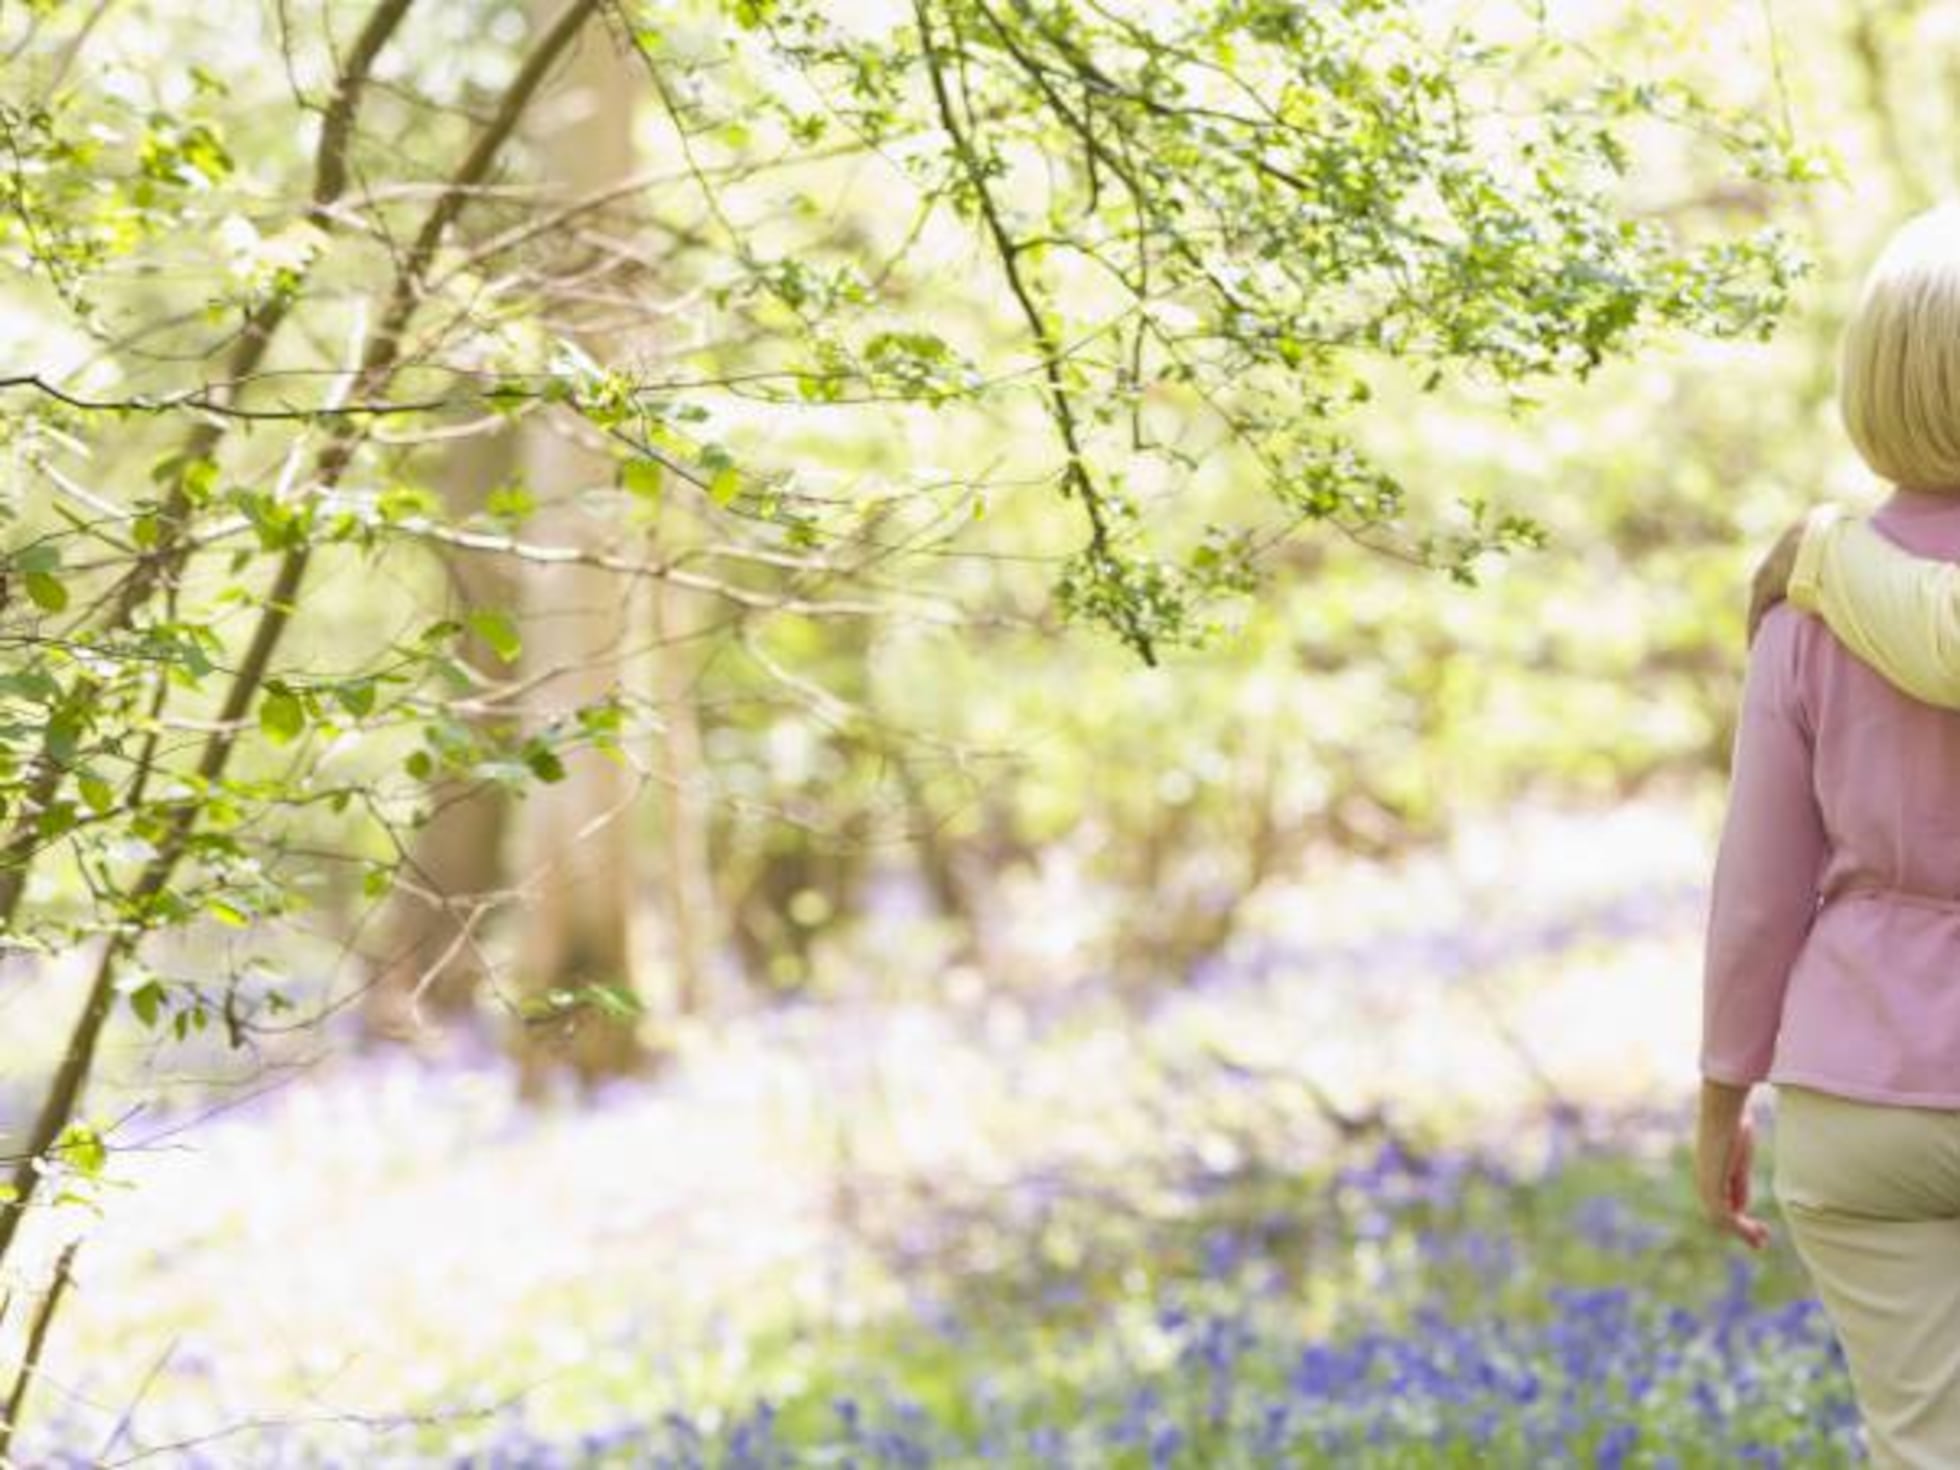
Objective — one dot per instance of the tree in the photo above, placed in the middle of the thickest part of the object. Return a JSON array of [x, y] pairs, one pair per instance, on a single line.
[[576, 959], [431, 958], [1206, 234], [190, 823]]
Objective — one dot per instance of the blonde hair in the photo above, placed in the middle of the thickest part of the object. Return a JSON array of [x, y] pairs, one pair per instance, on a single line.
[[1899, 364]]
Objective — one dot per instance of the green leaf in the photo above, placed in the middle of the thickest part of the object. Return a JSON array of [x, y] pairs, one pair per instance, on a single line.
[[544, 763], [96, 792], [725, 486], [46, 591], [496, 628], [146, 1000], [83, 1150], [615, 998], [511, 503], [281, 715], [398, 503], [642, 478], [356, 696], [507, 398], [65, 733], [601, 719]]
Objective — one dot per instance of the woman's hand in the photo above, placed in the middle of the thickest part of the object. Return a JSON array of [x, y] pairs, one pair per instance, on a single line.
[[1725, 1146]]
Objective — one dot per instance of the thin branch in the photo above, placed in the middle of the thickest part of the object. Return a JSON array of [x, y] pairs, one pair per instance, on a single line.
[[36, 1339], [667, 571], [1075, 470]]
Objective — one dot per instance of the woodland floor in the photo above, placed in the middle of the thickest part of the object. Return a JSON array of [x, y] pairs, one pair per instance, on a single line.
[[1034, 1229]]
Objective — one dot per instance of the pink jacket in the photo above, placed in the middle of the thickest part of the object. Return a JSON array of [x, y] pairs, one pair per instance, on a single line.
[[1833, 956]]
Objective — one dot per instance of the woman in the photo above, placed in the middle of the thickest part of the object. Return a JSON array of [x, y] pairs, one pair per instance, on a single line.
[[1833, 954]]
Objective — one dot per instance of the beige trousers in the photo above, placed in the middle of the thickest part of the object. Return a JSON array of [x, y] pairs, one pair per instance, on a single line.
[[1871, 1193]]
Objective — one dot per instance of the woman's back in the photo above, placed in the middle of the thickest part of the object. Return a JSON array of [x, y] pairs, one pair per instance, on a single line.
[[1839, 873]]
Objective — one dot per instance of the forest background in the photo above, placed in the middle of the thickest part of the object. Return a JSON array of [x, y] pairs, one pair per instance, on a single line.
[[780, 622]]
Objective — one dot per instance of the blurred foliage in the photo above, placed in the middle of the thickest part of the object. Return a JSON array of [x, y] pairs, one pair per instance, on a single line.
[[1222, 275]]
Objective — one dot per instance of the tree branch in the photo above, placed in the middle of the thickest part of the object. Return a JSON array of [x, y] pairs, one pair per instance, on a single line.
[[1075, 471], [330, 174], [378, 361]]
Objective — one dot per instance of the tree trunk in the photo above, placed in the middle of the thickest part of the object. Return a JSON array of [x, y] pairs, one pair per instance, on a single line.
[[693, 908], [575, 960], [431, 964]]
